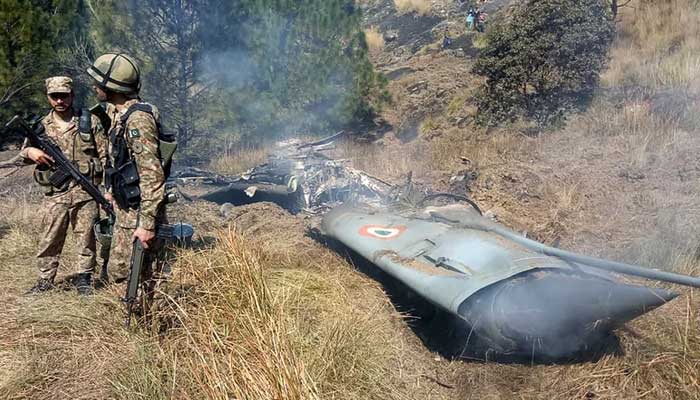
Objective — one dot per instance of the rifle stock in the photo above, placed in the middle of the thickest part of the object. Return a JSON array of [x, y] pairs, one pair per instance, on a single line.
[[138, 256]]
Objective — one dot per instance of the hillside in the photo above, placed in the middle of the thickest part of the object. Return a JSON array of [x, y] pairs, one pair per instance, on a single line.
[[257, 309]]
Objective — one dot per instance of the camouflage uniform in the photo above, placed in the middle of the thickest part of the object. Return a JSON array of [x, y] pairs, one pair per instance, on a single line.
[[141, 133], [70, 205]]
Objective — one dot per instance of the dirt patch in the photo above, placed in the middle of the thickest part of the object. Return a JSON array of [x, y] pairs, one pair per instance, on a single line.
[[271, 226], [465, 44], [398, 73]]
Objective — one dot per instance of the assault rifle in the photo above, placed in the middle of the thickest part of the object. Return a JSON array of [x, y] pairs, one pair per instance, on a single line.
[[63, 169], [138, 257]]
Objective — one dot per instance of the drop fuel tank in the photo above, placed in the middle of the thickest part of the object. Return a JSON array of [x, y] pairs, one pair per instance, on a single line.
[[518, 295]]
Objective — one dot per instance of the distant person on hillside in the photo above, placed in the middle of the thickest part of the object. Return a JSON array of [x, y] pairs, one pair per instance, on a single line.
[[481, 21], [470, 19], [446, 39]]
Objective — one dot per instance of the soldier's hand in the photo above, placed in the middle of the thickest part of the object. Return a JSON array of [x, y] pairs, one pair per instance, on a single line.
[[38, 156], [144, 236], [109, 198]]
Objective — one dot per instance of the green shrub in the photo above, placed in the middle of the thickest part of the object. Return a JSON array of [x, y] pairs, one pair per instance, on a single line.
[[542, 60]]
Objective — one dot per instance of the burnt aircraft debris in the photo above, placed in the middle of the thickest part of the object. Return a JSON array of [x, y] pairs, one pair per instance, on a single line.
[[297, 176], [518, 295]]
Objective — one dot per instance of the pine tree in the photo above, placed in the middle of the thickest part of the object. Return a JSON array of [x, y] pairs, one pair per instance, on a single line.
[[33, 37], [260, 67], [307, 67], [163, 36], [25, 44]]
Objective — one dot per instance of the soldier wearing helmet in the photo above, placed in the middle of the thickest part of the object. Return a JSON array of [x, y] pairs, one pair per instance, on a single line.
[[135, 173], [81, 138]]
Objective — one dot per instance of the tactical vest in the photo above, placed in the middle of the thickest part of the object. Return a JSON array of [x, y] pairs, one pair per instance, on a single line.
[[82, 151], [122, 175]]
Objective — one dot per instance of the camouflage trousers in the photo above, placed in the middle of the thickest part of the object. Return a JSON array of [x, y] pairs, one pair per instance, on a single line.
[[122, 247], [59, 216]]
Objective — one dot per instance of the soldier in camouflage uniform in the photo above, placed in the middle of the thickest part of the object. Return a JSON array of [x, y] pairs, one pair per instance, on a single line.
[[133, 138], [68, 205]]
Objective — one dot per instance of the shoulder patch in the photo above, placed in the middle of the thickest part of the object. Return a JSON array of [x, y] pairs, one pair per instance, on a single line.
[[134, 133], [137, 147]]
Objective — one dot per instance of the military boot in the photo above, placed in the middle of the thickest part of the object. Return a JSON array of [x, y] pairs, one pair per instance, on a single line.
[[42, 285], [83, 284]]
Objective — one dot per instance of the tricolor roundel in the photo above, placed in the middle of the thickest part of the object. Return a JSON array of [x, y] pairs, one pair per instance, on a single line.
[[382, 232]]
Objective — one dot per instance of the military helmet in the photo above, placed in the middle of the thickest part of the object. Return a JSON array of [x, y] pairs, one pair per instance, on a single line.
[[116, 72]]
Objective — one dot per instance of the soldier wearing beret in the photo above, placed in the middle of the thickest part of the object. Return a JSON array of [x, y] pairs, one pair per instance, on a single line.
[[68, 205]]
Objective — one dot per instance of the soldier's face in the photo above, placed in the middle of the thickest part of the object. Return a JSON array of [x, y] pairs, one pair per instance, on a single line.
[[61, 101], [101, 95]]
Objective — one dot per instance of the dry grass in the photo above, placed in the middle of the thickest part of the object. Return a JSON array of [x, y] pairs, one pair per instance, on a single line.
[[482, 150], [421, 7], [239, 320], [239, 160], [57, 346], [375, 39], [230, 339], [387, 162], [666, 35], [259, 327]]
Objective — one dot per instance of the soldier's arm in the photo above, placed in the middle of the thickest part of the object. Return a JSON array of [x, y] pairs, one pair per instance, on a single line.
[[32, 155], [100, 136], [142, 136]]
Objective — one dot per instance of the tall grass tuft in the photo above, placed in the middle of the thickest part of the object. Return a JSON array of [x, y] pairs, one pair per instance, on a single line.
[[421, 7], [238, 160], [240, 323], [659, 46], [375, 39]]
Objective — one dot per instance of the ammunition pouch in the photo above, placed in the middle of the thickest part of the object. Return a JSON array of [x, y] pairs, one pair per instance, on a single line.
[[166, 149], [91, 168], [103, 232], [86, 137], [97, 169], [51, 181], [166, 142], [123, 179], [124, 184], [85, 122], [85, 167]]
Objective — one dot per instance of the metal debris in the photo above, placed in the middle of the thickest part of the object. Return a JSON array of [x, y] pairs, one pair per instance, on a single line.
[[298, 176]]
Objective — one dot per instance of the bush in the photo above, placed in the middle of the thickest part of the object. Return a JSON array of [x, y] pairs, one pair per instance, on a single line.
[[543, 60]]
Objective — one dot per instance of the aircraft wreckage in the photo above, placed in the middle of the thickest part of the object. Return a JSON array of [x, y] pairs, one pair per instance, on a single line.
[[518, 295]]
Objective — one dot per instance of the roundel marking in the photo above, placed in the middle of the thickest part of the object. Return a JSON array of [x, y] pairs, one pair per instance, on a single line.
[[382, 232]]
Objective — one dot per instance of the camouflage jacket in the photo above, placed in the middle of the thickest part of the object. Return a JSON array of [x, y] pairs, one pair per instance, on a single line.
[[141, 134], [87, 150]]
